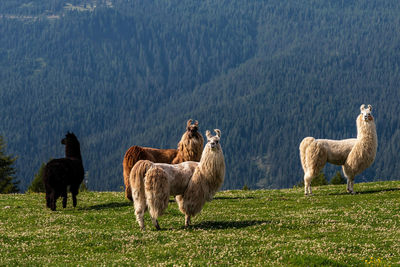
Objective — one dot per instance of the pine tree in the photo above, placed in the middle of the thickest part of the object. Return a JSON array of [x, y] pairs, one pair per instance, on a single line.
[[338, 179], [8, 184], [37, 185], [319, 180]]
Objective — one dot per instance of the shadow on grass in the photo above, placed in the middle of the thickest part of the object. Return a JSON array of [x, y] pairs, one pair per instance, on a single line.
[[236, 197], [366, 192], [207, 225], [111, 205], [378, 191]]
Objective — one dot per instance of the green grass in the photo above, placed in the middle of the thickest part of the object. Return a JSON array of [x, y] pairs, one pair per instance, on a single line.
[[250, 228]]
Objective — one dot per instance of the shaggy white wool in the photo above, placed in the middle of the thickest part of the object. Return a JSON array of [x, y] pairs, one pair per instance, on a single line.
[[193, 183], [355, 154]]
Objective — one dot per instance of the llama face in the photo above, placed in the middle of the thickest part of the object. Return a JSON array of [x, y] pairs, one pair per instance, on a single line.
[[213, 141], [366, 113], [68, 136], [192, 129]]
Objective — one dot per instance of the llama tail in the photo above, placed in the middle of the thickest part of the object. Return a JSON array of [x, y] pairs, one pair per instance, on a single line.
[[136, 176], [136, 180], [303, 147], [157, 191]]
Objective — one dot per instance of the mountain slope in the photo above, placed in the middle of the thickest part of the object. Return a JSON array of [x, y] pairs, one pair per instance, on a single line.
[[267, 74]]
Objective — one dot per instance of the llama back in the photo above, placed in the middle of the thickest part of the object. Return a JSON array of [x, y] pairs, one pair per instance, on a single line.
[[337, 150], [64, 171], [133, 155], [55, 173]]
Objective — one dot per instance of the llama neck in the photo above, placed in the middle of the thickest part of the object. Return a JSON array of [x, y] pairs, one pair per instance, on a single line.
[[365, 129], [366, 133], [73, 151], [212, 169], [189, 149]]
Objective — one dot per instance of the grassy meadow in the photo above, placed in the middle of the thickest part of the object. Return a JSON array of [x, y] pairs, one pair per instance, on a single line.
[[245, 228]]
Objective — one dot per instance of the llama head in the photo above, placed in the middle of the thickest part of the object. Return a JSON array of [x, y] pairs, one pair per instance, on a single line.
[[72, 146], [366, 113], [69, 137], [192, 129], [213, 141]]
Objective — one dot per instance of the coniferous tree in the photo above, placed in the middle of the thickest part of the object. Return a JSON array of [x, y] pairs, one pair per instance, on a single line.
[[37, 185], [8, 184], [338, 178], [319, 180]]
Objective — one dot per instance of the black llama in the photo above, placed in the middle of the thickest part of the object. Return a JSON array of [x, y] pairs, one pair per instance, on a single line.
[[64, 172]]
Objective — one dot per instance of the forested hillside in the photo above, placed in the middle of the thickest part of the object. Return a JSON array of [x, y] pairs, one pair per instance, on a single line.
[[267, 73]]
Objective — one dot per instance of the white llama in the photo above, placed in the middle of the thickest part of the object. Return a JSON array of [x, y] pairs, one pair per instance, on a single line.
[[193, 183], [355, 154]]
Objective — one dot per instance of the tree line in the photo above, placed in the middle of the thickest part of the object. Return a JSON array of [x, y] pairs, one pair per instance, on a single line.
[[267, 73]]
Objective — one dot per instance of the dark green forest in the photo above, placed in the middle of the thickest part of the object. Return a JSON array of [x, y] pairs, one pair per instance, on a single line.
[[267, 73]]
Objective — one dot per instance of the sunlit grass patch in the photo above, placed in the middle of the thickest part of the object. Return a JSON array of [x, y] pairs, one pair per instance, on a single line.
[[250, 228]]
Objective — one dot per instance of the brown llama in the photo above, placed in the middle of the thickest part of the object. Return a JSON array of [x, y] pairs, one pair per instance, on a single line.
[[59, 174], [193, 183], [189, 149]]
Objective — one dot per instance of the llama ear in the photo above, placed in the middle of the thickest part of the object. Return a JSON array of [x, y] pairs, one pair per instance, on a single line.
[[208, 134], [218, 131], [196, 123], [370, 107], [362, 107], [189, 122]]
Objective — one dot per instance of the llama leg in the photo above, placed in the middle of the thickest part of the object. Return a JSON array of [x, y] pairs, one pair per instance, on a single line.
[[48, 199], [65, 197], [187, 220], [350, 179], [52, 204], [307, 184], [54, 196], [352, 186], [155, 223], [128, 193], [126, 174], [74, 192], [139, 203], [64, 203], [139, 212], [315, 158], [48, 193], [48, 202], [348, 186], [74, 201]]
